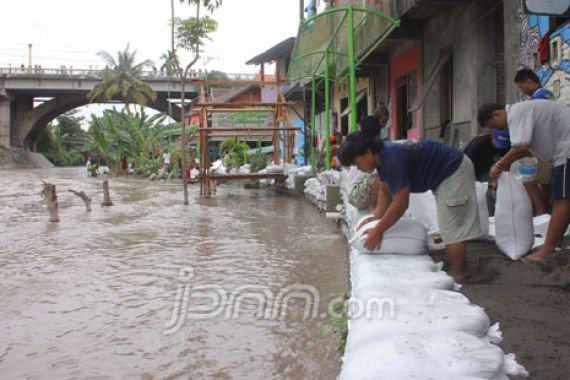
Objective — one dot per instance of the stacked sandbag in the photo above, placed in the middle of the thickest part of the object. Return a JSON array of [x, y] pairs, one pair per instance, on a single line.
[[406, 237], [407, 321], [514, 231]]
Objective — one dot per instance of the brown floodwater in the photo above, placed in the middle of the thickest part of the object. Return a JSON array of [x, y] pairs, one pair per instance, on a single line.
[[232, 287]]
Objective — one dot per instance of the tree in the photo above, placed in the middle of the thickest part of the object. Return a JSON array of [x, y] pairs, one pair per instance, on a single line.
[[121, 78], [189, 34], [64, 143]]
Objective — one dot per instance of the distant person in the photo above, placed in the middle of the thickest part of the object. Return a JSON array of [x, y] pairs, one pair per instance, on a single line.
[[125, 165], [484, 150], [88, 166], [383, 115], [335, 143], [166, 161], [541, 127]]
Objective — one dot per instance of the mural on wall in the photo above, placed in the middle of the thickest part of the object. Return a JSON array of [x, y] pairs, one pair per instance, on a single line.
[[554, 70]]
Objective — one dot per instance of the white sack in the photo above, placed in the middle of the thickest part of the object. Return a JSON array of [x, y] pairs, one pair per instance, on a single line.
[[514, 232], [381, 320], [397, 278], [422, 207], [483, 209], [405, 237], [363, 263], [434, 356]]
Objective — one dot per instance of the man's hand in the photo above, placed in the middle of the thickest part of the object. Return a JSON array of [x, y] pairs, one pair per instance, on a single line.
[[495, 171], [374, 240], [366, 221]]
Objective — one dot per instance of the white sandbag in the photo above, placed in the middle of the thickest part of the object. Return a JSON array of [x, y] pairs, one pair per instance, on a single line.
[[514, 232], [405, 237], [434, 356], [273, 169], [364, 263], [410, 296], [397, 278], [483, 208], [422, 207], [381, 320], [540, 224]]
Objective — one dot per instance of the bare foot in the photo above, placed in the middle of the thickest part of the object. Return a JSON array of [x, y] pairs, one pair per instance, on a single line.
[[537, 256], [460, 277]]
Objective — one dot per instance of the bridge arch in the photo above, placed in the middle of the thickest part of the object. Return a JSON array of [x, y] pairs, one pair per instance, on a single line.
[[30, 127]]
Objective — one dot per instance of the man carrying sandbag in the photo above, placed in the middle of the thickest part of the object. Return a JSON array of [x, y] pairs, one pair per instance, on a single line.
[[417, 168], [543, 128]]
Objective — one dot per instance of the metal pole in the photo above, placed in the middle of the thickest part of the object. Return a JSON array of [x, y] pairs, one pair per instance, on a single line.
[[352, 69], [327, 112], [29, 56], [313, 121]]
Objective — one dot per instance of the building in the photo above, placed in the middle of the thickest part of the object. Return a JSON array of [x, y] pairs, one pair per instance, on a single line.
[[445, 59]]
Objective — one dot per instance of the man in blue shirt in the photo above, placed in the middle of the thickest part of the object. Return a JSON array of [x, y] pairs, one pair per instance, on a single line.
[[416, 168], [529, 83]]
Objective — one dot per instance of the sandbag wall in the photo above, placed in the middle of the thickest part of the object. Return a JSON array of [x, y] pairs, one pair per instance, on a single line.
[[409, 322]]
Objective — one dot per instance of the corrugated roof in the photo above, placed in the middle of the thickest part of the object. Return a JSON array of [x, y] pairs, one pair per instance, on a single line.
[[282, 50]]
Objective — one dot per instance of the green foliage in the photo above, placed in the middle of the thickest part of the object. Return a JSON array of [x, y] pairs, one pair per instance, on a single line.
[[117, 134], [65, 143], [235, 153], [258, 160], [191, 32], [168, 63], [339, 322], [208, 4], [121, 79]]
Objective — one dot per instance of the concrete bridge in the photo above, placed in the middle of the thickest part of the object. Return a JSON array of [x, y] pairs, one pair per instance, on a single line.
[[61, 90]]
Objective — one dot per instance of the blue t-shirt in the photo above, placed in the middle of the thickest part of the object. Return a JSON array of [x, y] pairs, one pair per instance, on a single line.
[[422, 166], [542, 93]]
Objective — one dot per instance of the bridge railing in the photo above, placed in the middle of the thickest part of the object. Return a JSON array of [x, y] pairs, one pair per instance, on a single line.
[[70, 72]]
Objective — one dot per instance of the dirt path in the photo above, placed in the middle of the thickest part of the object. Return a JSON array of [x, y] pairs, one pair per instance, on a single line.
[[531, 302]]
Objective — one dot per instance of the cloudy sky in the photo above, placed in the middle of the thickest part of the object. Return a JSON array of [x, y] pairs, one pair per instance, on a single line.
[[71, 32]]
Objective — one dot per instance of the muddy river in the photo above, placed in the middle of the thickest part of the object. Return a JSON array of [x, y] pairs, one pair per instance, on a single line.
[[236, 286]]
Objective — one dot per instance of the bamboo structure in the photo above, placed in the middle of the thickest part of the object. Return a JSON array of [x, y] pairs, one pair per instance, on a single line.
[[281, 131]]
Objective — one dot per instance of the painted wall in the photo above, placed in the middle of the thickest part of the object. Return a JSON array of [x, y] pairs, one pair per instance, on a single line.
[[555, 74], [404, 64]]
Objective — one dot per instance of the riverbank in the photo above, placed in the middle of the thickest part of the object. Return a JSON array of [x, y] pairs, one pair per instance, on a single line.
[[19, 158]]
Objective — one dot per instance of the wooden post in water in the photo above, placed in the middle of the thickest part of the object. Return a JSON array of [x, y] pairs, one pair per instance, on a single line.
[[106, 196], [50, 197], [84, 197]]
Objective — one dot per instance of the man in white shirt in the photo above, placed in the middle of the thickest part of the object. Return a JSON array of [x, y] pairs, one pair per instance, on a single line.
[[543, 128]]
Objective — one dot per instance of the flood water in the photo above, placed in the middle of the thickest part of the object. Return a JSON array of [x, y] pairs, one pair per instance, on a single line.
[[142, 289]]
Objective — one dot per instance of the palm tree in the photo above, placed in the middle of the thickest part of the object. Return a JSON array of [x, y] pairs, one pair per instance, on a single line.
[[121, 79]]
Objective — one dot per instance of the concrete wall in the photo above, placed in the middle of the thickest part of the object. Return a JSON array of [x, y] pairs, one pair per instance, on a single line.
[[471, 39], [5, 117]]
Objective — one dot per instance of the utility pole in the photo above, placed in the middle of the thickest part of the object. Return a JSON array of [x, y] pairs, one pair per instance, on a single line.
[[29, 56], [301, 10]]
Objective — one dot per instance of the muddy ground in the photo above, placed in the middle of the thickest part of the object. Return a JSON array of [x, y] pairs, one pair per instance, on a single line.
[[531, 302]]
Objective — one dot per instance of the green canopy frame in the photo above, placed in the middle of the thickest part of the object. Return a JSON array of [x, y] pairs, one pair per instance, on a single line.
[[329, 47]]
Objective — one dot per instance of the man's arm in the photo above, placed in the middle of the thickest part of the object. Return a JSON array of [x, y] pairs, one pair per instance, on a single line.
[[504, 163], [384, 200], [392, 214]]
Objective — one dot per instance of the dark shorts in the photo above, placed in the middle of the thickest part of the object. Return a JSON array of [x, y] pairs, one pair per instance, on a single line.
[[560, 185]]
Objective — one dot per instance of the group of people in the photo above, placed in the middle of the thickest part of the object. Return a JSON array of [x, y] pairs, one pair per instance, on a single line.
[[391, 171]]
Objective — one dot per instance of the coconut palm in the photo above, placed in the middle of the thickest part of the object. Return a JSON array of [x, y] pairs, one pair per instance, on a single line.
[[121, 78]]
